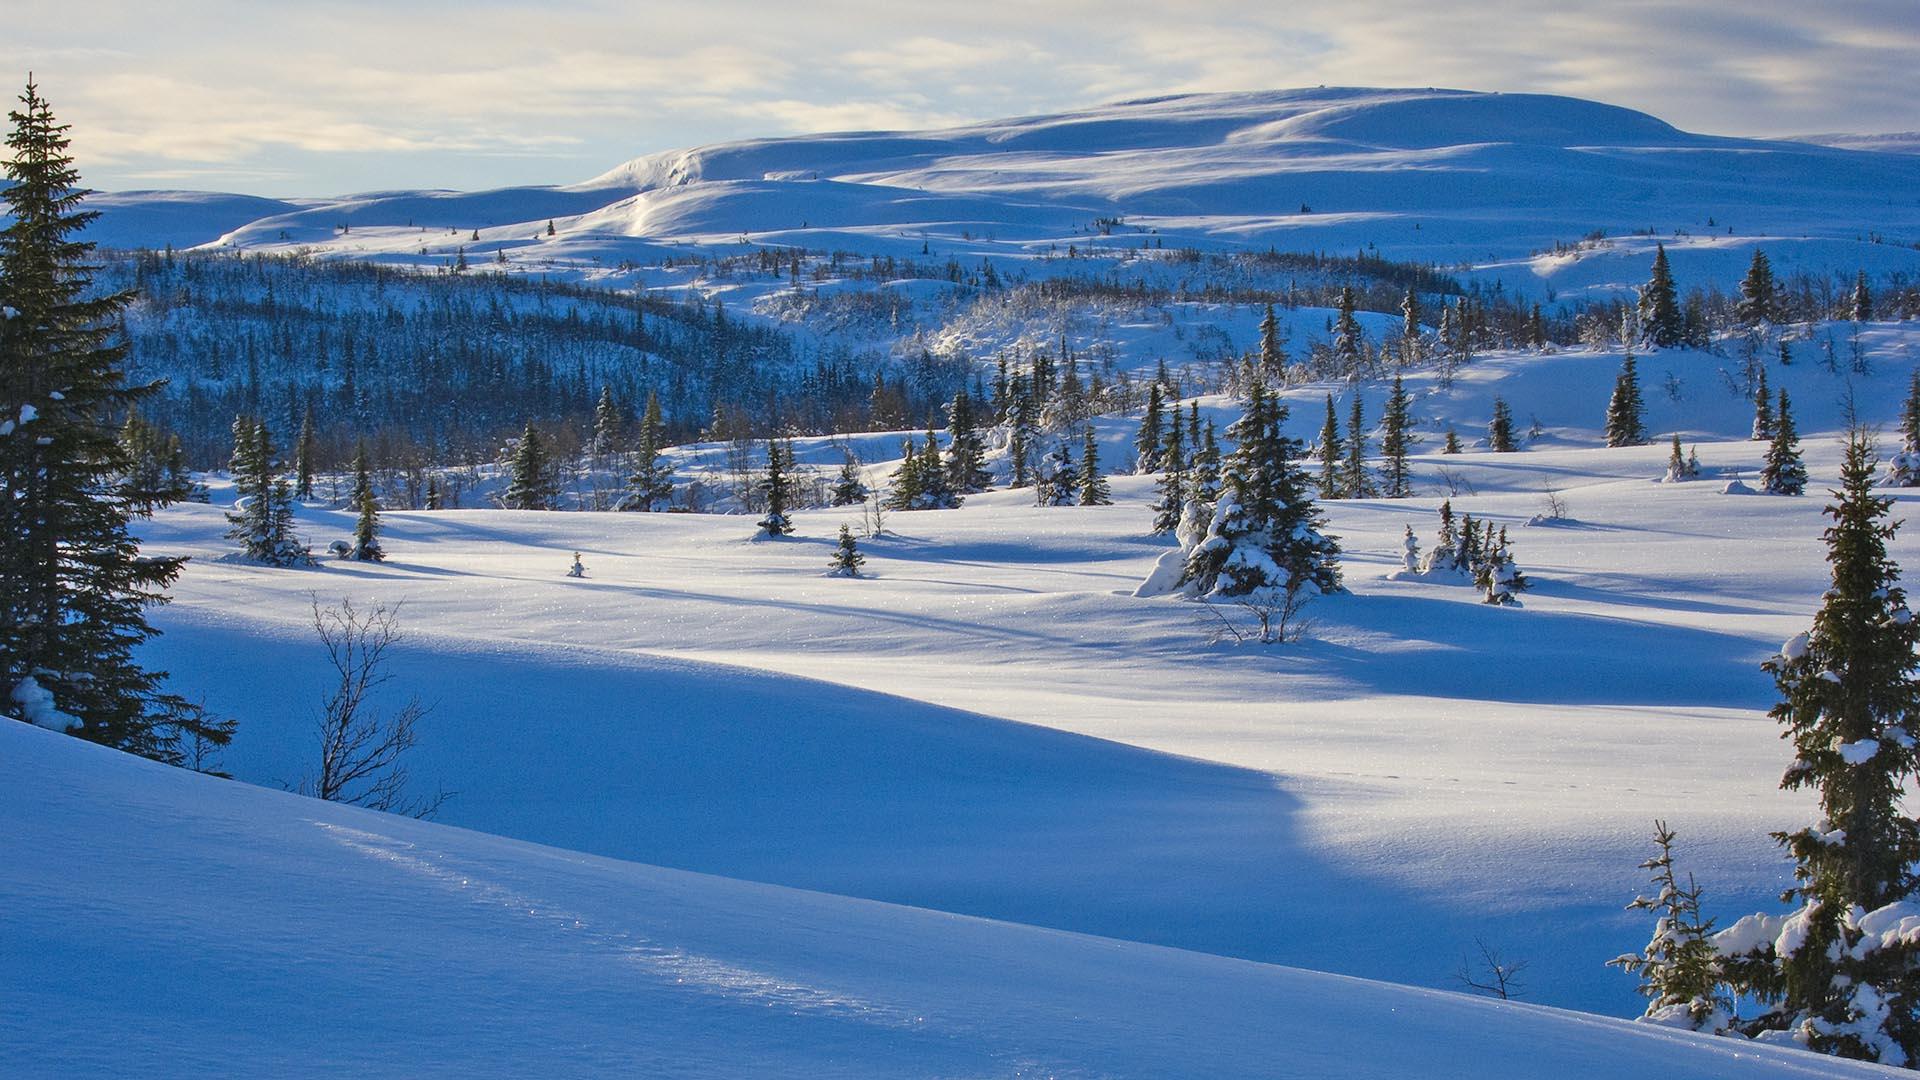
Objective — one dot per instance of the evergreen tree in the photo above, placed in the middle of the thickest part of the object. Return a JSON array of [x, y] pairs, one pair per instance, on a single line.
[[1660, 304], [1174, 484], [1905, 470], [1020, 434], [606, 425], [1452, 445], [1680, 968], [303, 458], [847, 559], [650, 487], [1846, 979], [74, 587], [153, 477], [1094, 490], [1762, 410], [362, 477], [1332, 453], [529, 484], [849, 489], [1356, 480], [1783, 473], [1625, 425], [1057, 482], [1152, 433], [966, 450], [1681, 466], [1410, 325], [1410, 553], [262, 520], [1346, 333], [1264, 542], [777, 489], [1757, 292], [1500, 430], [435, 500], [1862, 307], [1273, 355], [1395, 441], [1206, 484], [366, 532], [1499, 578]]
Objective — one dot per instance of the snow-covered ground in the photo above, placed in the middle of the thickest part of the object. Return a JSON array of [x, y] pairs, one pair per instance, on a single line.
[[993, 725], [161, 923]]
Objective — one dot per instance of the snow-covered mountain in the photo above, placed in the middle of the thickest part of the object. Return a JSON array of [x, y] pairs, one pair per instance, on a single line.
[[1495, 181]]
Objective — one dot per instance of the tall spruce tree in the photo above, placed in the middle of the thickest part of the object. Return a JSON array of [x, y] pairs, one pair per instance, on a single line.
[[262, 519], [1332, 453], [1660, 304], [650, 486], [1094, 490], [1762, 410], [1782, 473], [1273, 354], [1356, 480], [1626, 425], [1174, 483], [1861, 307], [1021, 432], [607, 425], [303, 450], [74, 587], [1146, 444], [966, 450], [1842, 975], [1346, 333], [1905, 471], [529, 483], [366, 532], [1500, 429], [1757, 292], [1396, 440], [1410, 326], [777, 489]]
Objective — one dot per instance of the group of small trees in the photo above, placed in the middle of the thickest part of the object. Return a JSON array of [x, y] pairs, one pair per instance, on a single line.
[[1468, 551], [1840, 974], [1344, 472], [262, 518]]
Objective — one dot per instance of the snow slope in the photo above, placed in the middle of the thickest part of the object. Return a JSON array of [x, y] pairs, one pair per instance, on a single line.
[[1447, 176], [216, 929], [1450, 770]]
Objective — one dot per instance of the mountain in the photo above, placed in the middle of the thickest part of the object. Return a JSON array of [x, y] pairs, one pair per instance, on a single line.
[[1486, 180]]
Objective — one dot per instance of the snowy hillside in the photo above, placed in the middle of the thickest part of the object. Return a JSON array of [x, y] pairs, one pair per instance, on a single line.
[[251, 933], [1449, 177]]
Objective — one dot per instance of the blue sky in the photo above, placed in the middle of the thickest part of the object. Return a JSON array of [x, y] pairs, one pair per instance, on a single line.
[[331, 96]]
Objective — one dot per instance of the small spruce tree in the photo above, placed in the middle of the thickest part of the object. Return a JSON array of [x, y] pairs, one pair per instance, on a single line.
[[1094, 490], [847, 559], [1500, 430], [1625, 410], [1783, 473]]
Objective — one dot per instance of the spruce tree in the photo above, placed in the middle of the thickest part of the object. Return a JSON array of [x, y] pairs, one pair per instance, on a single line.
[[1356, 480], [1500, 430], [650, 487], [1452, 445], [74, 586], [1756, 305], [1680, 466], [1905, 471], [1762, 410], [303, 458], [1861, 309], [848, 489], [777, 489], [1094, 490], [1660, 304], [1625, 423], [529, 486], [1174, 484], [1273, 355], [366, 532], [1783, 473], [607, 425], [151, 477], [362, 477], [1206, 484], [1332, 452], [1021, 432], [847, 559], [1395, 441], [1410, 326], [903, 487], [1679, 969], [1346, 333], [1057, 482], [1846, 979], [262, 520], [1146, 444], [966, 450]]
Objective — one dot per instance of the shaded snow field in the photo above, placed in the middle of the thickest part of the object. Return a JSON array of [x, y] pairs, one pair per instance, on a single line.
[[992, 725], [161, 923]]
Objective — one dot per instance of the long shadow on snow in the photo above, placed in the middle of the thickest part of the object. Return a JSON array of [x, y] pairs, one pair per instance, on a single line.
[[804, 783]]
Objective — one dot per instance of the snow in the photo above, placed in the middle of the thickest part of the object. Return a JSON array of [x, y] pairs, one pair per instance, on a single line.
[[1858, 752], [1416, 175], [250, 932], [35, 705]]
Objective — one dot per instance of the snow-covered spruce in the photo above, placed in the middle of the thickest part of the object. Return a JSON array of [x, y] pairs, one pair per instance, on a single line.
[[1679, 968], [847, 559]]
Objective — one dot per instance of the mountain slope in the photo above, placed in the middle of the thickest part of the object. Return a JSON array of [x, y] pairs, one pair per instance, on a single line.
[[247, 932], [1432, 175]]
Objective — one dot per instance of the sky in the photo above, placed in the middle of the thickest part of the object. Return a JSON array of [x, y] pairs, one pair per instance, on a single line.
[[327, 97]]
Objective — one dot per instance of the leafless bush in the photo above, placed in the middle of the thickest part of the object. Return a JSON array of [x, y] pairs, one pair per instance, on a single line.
[[362, 750], [1276, 619], [1456, 483], [1491, 973]]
